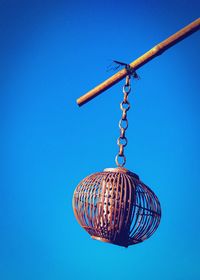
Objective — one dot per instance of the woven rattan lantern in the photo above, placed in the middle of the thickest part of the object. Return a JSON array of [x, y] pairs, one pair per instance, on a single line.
[[114, 206]]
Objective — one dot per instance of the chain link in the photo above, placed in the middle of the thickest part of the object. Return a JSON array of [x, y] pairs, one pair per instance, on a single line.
[[123, 123]]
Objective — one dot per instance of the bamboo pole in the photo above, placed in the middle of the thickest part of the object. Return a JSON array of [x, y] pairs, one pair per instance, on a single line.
[[136, 64]]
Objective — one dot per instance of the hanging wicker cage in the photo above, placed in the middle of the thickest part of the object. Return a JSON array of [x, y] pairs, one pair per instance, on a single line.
[[115, 206]]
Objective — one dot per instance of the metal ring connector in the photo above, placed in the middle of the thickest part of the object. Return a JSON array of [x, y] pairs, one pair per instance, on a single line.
[[121, 123], [120, 139], [117, 160]]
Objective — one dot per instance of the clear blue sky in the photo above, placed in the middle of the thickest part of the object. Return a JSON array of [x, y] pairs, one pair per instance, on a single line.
[[51, 52]]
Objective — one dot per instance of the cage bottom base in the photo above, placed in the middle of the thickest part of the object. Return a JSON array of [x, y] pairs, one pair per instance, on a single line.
[[108, 241]]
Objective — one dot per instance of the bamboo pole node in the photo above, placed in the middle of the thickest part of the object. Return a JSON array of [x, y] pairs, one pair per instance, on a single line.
[[142, 60]]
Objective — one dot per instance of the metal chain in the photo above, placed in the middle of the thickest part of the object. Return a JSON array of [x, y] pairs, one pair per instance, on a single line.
[[123, 123]]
